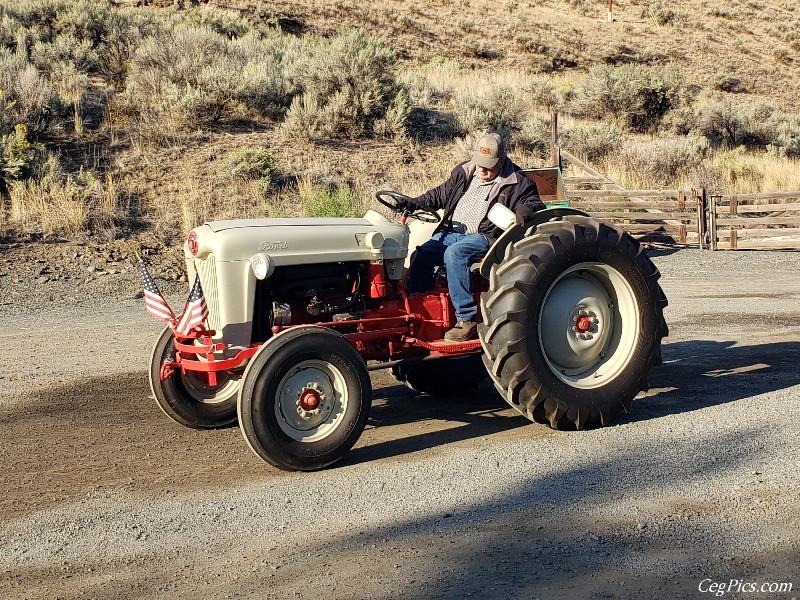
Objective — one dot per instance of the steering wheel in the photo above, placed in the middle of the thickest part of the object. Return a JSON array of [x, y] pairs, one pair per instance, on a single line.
[[400, 203]]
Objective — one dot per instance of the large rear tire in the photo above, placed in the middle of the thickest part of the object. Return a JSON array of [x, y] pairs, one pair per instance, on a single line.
[[186, 398], [442, 377], [573, 322], [305, 398]]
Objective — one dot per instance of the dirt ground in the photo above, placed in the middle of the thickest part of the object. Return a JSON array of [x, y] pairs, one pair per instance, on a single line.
[[104, 497]]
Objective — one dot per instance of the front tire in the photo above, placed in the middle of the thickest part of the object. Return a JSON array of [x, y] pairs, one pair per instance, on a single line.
[[305, 399], [573, 322], [186, 398]]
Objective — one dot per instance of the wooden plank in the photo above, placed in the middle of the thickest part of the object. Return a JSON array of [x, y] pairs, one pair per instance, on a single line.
[[761, 245], [643, 216], [725, 198], [623, 193], [654, 227], [757, 208], [667, 205], [758, 221], [755, 233], [583, 180]]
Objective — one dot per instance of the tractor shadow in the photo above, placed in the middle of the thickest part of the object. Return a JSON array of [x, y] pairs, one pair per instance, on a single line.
[[403, 421], [698, 374], [695, 375]]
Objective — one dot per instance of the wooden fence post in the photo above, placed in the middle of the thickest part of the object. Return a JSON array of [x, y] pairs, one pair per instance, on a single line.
[[701, 216], [712, 218], [555, 158]]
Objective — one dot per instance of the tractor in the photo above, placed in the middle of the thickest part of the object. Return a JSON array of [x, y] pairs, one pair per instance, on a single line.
[[301, 310]]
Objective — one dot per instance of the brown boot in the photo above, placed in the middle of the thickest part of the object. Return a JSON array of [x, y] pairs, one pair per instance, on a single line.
[[463, 331]]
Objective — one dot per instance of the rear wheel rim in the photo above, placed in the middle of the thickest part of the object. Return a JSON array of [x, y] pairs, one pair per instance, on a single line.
[[311, 401], [588, 325]]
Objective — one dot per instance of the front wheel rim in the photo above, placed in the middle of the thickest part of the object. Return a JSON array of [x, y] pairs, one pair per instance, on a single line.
[[311, 401], [196, 385], [588, 325]]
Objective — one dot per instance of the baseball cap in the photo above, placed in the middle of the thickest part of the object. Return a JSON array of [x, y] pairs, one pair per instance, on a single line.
[[489, 151]]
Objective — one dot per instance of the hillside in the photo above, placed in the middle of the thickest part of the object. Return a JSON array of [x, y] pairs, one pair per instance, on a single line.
[[754, 42], [161, 115]]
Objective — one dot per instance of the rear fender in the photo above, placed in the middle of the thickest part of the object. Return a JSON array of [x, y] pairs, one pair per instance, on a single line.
[[516, 232]]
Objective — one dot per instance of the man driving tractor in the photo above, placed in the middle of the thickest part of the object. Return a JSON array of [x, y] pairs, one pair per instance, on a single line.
[[465, 234]]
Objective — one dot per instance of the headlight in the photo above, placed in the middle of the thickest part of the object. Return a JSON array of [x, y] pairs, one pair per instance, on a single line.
[[262, 265], [192, 243]]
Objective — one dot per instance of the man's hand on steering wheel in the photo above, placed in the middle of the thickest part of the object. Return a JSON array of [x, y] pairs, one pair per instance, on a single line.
[[407, 207]]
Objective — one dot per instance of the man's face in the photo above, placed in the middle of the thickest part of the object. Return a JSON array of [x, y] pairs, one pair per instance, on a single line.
[[485, 174]]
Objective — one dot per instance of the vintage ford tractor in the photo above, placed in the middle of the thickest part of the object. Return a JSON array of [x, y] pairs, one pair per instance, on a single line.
[[300, 311]]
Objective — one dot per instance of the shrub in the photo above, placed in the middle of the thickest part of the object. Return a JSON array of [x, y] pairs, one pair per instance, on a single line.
[[396, 119], [681, 121], [16, 154], [726, 82], [534, 135], [735, 169], [348, 85], [507, 108], [636, 97], [248, 163], [25, 96], [423, 92], [732, 125], [65, 48], [223, 22], [542, 94], [660, 14], [502, 110], [592, 141], [250, 169], [93, 36], [190, 77], [663, 162], [328, 200], [480, 49]]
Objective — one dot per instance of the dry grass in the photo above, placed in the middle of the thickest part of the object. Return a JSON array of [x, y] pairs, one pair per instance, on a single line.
[[66, 207]]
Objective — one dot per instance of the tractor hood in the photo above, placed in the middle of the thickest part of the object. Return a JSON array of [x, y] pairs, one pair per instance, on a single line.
[[217, 226], [302, 241]]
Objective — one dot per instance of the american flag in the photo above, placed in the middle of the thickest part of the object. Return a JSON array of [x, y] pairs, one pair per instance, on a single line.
[[154, 300], [195, 311]]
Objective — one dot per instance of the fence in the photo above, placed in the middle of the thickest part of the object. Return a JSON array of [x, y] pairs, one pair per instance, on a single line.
[[718, 221], [754, 221], [648, 215]]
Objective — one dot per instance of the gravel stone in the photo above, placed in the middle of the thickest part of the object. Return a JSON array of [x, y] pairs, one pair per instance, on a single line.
[[106, 497]]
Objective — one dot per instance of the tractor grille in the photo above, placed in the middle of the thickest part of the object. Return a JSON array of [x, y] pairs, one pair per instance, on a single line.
[[207, 269]]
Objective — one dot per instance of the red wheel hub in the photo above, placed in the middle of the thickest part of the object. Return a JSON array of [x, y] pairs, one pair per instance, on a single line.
[[583, 324], [309, 399]]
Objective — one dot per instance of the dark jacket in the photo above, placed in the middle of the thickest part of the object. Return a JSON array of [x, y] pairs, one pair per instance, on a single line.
[[512, 189]]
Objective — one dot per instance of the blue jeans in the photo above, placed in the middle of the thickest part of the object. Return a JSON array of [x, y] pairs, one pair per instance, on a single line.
[[457, 251]]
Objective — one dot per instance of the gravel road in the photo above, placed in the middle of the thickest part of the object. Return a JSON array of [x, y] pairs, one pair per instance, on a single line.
[[104, 497]]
